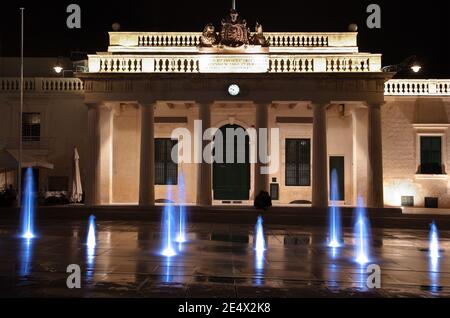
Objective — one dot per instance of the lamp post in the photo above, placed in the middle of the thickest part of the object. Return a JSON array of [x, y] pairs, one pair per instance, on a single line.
[[409, 63], [59, 69], [19, 168]]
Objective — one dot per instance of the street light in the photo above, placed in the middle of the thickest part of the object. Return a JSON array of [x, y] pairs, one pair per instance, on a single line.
[[58, 66], [416, 68], [59, 69], [410, 63]]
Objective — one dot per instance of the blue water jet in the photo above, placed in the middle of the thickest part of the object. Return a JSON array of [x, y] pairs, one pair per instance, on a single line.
[[168, 226], [26, 256], [434, 253], [335, 228], [181, 232], [28, 206], [91, 243], [260, 243], [260, 249], [362, 235], [91, 237]]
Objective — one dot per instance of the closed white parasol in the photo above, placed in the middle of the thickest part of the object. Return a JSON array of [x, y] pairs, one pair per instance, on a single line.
[[77, 190]]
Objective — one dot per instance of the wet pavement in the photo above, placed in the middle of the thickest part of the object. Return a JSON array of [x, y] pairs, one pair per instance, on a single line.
[[217, 261]]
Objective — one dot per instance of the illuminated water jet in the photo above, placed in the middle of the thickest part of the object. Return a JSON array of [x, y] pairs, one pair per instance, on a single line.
[[28, 206], [335, 229], [181, 233], [362, 235], [91, 243], [260, 243], [91, 238], [434, 253], [168, 228], [26, 256]]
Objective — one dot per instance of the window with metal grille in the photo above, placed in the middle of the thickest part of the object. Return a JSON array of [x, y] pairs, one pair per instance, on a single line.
[[31, 127], [166, 170], [431, 155], [298, 162]]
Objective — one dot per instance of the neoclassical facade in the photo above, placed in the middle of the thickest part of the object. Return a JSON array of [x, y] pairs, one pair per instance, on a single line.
[[334, 108]]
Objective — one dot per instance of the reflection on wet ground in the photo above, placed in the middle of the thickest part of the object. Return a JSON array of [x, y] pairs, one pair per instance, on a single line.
[[217, 261]]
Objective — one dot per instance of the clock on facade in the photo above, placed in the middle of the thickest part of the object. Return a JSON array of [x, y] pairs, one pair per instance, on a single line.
[[234, 90]]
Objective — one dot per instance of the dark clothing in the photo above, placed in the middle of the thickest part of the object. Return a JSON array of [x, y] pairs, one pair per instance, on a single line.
[[263, 201]]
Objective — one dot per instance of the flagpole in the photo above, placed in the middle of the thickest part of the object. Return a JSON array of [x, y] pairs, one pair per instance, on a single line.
[[19, 174]]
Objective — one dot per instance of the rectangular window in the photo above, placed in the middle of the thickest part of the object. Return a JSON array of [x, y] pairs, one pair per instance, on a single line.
[[298, 162], [166, 170], [431, 155], [31, 127]]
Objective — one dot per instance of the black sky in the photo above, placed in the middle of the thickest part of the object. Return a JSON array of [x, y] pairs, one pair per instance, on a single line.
[[408, 27]]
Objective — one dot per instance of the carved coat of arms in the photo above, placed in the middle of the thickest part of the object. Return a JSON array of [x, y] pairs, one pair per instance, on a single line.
[[234, 33]]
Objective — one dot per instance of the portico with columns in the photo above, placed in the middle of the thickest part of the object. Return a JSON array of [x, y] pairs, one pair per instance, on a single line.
[[317, 89], [298, 110]]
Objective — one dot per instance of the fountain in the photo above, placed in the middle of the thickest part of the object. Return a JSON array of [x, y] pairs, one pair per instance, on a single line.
[[335, 230], [26, 256], [168, 228], [28, 206], [181, 236], [434, 255], [260, 243], [260, 248], [362, 235], [91, 241], [434, 252]]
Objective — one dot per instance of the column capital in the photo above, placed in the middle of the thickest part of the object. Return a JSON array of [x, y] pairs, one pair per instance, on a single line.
[[95, 106], [147, 103], [319, 103], [375, 104], [107, 106]]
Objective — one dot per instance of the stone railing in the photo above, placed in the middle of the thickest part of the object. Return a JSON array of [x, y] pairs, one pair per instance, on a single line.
[[42, 85], [275, 63], [417, 87], [189, 41]]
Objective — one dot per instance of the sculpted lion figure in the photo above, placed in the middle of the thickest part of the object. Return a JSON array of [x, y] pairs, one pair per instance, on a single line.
[[209, 37], [258, 38]]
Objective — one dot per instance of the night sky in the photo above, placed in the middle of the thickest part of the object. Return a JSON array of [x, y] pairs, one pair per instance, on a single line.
[[408, 27]]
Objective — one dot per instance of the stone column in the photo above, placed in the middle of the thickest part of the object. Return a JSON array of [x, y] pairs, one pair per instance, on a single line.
[[93, 185], [320, 156], [204, 170], [147, 164], [106, 152], [375, 158], [261, 181]]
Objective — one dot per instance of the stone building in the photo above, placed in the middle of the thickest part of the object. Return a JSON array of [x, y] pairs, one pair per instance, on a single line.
[[334, 107]]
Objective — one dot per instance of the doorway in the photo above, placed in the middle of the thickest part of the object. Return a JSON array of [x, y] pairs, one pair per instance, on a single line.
[[231, 180]]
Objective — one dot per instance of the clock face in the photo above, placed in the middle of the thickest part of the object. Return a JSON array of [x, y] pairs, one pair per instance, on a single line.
[[234, 90]]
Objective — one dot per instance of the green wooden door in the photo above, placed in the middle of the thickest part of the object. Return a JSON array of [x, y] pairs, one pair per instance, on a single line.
[[231, 181]]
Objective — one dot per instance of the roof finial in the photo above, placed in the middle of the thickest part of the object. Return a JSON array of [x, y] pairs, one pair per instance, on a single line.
[[233, 4]]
